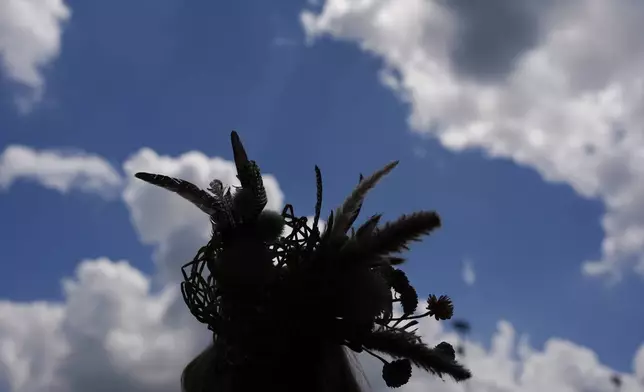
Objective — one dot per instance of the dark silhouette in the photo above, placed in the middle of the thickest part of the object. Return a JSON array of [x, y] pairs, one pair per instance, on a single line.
[[284, 308], [462, 328]]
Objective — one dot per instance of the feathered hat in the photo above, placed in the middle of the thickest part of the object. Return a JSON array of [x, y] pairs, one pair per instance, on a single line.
[[266, 280]]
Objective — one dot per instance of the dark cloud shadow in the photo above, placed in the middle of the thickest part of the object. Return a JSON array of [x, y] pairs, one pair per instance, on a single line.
[[492, 35]]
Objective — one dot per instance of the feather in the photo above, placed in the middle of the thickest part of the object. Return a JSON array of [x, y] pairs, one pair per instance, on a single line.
[[222, 203], [345, 214], [355, 213], [250, 178], [189, 191], [318, 202], [259, 192], [395, 236], [393, 260], [330, 223], [239, 154], [368, 227]]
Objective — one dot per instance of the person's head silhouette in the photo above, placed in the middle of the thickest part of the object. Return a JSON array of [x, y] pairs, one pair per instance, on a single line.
[[286, 301]]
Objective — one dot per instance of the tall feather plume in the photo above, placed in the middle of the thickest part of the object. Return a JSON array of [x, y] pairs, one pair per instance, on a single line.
[[330, 224], [252, 196], [374, 245], [368, 227], [318, 201], [355, 214], [346, 213], [313, 239], [395, 236], [222, 202], [259, 192], [240, 157], [189, 191], [230, 205], [393, 260]]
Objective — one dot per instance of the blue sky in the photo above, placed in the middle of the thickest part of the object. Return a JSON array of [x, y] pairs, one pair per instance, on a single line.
[[176, 77]]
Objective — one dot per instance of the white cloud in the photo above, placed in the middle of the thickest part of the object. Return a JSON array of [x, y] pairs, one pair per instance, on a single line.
[[570, 104], [30, 344], [30, 38], [111, 333], [638, 364], [58, 170], [469, 276]]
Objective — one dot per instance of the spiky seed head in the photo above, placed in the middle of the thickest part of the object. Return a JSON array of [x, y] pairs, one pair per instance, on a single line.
[[440, 308], [397, 373], [270, 225], [447, 350]]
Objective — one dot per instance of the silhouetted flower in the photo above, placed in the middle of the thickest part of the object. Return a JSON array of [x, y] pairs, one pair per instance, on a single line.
[[396, 373], [440, 308], [446, 349]]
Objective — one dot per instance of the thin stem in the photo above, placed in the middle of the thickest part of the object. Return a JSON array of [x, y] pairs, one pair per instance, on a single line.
[[376, 355], [419, 316]]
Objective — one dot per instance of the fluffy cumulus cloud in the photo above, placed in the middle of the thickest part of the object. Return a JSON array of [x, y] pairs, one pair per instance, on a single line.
[[111, 333], [30, 37], [58, 170], [554, 85]]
